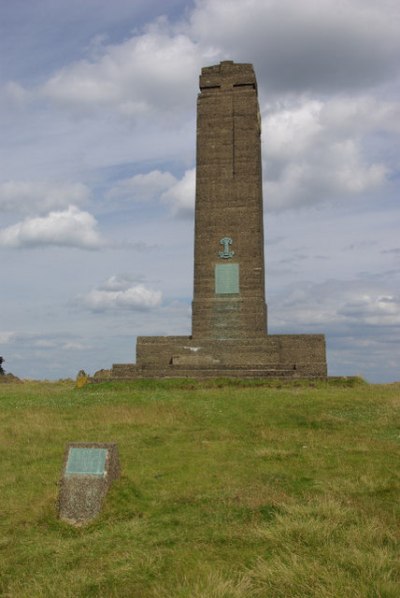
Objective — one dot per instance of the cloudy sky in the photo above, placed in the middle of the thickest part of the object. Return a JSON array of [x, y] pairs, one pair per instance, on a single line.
[[97, 157]]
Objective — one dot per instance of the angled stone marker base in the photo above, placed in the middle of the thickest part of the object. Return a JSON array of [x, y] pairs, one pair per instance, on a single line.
[[89, 469]]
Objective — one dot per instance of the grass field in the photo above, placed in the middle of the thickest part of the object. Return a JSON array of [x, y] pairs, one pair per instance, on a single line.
[[227, 490]]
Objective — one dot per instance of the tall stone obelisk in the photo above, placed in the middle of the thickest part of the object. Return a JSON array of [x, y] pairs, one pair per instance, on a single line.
[[229, 320], [229, 293]]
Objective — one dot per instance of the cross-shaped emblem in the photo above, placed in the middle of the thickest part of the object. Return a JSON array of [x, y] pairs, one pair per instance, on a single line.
[[226, 253]]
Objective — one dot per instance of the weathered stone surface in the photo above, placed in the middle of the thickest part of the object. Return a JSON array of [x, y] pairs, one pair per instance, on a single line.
[[229, 314], [89, 469], [102, 375], [299, 355], [228, 205]]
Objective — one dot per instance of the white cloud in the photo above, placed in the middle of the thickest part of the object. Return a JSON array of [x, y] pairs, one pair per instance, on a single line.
[[6, 337], [338, 306], [142, 187], [375, 310], [361, 114], [302, 46], [116, 294], [33, 197], [45, 344], [295, 46], [181, 195], [74, 346], [68, 228], [154, 70], [309, 158], [16, 93], [291, 130], [315, 149], [116, 283]]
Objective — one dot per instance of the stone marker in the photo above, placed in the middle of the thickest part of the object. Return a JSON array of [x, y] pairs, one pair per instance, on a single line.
[[89, 469], [229, 315]]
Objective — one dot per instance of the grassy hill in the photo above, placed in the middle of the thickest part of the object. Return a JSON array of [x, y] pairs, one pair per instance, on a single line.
[[227, 490]]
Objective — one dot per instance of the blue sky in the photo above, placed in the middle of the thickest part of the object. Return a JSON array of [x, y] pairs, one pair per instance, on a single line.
[[97, 148]]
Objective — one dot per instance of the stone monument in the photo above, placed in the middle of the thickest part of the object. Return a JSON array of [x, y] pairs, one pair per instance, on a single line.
[[89, 468], [229, 314]]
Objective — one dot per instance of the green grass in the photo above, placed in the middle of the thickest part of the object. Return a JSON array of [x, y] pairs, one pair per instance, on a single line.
[[228, 490]]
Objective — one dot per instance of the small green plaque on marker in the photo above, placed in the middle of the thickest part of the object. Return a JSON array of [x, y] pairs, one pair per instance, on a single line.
[[226, 279], [86, 461]]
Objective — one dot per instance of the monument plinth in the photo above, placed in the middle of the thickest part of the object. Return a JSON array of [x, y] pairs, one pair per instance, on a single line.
[[229, 314]]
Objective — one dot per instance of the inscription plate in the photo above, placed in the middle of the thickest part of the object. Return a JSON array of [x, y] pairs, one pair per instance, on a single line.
[[86, 461], [226, 279]]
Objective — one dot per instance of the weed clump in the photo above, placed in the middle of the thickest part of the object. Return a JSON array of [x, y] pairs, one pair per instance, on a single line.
[[81, 379]]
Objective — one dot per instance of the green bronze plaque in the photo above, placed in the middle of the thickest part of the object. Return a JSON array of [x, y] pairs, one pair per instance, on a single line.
[[86, 461], [226, 279]]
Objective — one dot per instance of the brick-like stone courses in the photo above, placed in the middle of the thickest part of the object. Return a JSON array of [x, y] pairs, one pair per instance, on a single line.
[[228, 203], [229, 330], [301, 354]]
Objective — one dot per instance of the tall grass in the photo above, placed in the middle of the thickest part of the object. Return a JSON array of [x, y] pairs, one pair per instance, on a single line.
[[227, 490]]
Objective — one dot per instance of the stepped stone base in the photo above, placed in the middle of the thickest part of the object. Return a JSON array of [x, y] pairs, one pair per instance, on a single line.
[[287, 355]]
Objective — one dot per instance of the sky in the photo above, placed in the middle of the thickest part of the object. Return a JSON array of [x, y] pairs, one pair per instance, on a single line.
[[97, 174]]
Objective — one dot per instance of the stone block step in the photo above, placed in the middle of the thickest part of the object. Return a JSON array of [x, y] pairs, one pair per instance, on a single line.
[[131, 373]]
